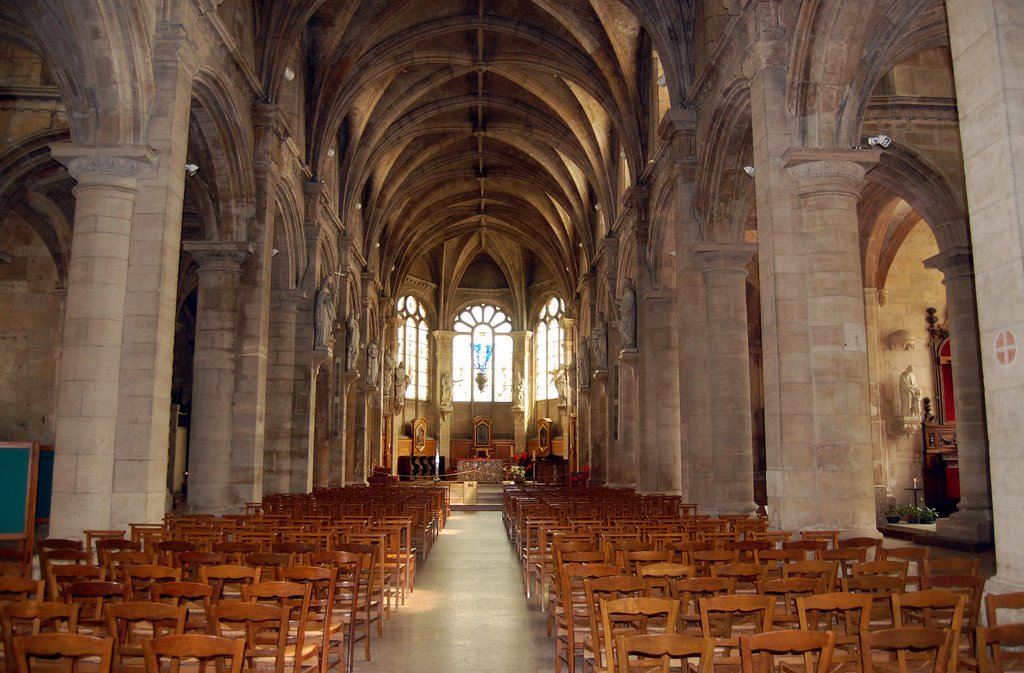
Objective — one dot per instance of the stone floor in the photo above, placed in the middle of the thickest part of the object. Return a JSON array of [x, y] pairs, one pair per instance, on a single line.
[[469, 612]]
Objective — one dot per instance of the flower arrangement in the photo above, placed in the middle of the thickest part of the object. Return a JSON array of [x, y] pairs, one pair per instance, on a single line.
[[580, 478], [518, 473]]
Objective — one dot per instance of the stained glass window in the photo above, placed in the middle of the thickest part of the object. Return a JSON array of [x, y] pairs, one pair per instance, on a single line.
[[482, 355], [413, 346], [548, 337]]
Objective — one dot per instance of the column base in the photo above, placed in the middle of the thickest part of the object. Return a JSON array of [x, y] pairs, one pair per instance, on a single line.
[[1001, 584], [719, 509], [968, 526]]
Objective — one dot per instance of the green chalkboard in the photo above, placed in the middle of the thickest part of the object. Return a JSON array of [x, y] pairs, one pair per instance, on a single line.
[[19, 465]]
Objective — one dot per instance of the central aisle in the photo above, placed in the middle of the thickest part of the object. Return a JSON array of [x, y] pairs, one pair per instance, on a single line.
[[469, 613]]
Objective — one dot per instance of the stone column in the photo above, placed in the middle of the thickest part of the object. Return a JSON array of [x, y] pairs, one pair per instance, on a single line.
[[87, 398], [393, 426], [287, 458], [522, 418], [361, 461], [732, 468], [831, 480], [973, 519], [144, 404], [443, 365], [985, 47], [210, 465]]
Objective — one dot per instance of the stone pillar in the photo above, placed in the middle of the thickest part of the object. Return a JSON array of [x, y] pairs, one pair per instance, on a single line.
[[522, 362], [984, 43], [973, 519], [87, 398], [829, 481], [210, 465], [658, 455], [443, 365], [144, 404], [287, 457], [732, 467], [361, 462], [393, 427]]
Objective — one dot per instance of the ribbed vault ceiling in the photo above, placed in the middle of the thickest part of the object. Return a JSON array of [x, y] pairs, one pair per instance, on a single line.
[[515, 119]]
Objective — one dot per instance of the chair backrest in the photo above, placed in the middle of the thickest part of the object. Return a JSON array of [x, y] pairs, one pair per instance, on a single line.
[[896, 644], [718, 615], [758, 651], [105, 546], [140, 579], [190, 561], [1013, 600], [269, 622], [20, 589], [870, 544], [931, 608], [657, 651], [598, 589], [30, 617], [59, 577], [118, 561], [227, 580], [998, 643], [132, 622], [201, 647], [685, 548], [972, 587], [659, 577], [635, 615], [68, 647], [169, 551]]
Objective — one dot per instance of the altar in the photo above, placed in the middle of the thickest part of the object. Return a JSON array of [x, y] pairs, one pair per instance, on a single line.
[[484, 470]]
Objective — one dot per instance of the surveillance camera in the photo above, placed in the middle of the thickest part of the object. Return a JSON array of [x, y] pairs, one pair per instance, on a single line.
[[191, 169], [879, 140], [749, 170]]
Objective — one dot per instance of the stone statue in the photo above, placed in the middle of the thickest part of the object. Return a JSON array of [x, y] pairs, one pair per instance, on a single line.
[[352, 342], [388, 379], [558, 378], [599, 342], [627, 316], [372, 363], [446, 391], [910, 394], [323, 316], [401, 383], [583, 364], [517, 390]]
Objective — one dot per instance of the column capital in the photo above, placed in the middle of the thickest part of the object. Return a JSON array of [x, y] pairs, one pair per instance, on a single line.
[[89, 162], [725, 256], [953, 263], [222, 255], [829, 170]]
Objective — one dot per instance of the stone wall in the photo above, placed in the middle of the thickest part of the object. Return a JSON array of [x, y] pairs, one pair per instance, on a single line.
[[910, 288], [29, 335]]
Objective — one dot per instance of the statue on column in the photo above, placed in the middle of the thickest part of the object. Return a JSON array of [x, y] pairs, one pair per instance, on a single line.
[[446, 391], [583, 363], [627, 316], [517, 391], [372, 364], [401, 383], [558, 379], [352, 342], [323, 316], [388, 378], [910, 394], [599, 342]]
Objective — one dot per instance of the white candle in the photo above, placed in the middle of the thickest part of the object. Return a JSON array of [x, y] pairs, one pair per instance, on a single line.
[[915, 482]]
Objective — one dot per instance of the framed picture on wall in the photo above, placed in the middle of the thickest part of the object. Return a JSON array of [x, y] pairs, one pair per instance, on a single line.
[[482, 426], [544, 435]]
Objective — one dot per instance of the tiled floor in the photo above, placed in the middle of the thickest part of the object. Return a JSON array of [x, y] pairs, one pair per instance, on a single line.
[[468, 613]]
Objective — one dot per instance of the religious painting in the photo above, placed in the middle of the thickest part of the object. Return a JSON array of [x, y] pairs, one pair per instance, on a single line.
[[544, 435], [482, 431], [419, 435]]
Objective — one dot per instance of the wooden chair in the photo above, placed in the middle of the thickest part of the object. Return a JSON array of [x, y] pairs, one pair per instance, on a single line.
[[572, 622], [227, 580], [845, 559], [847, 615], [774, 559], [296, 597], [140, 579], [132, 622], [746, 575], [683, 549], [235, 552], [810, 547], [351, 609], [107, 545], [689, 592], [889, 567], [201, 647], [872, 546], [321, 627], [784, 591], [118, 561], [46, 548], [15, 569], [972, 587], [262, 628], [880, 588], [31, 617], [635, 616], [59, 577], [169, 551], [1013, 600], [774, 651], [635, 560], [657, 652], [886, 650], [1000, 647], [300, 553], [726, 618], [370, 602], [92, 597], [932, 608], [70, 648], [823, 571], [270, 564], [595, 590], [915, 555], [658, 578], [190, 561], [196, 597]]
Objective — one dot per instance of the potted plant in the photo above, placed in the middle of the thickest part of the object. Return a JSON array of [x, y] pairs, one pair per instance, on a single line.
[[927, 515], [893, 513]]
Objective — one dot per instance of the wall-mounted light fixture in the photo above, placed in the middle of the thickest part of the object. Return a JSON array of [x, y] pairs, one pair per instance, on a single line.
[[749, 170], [191, 169], [289, 74], [881, 140]]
